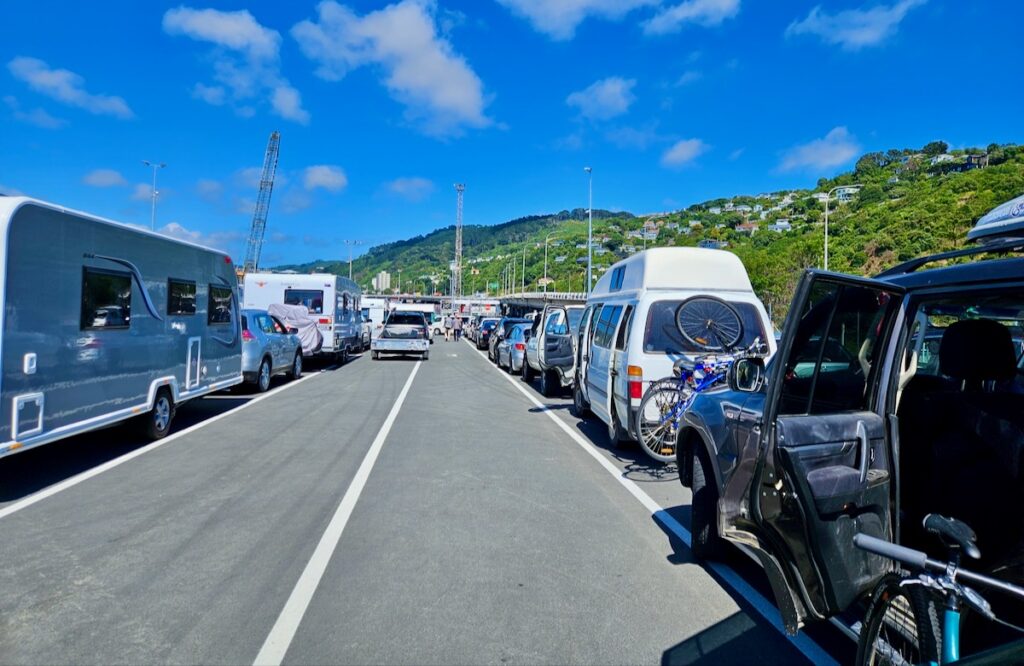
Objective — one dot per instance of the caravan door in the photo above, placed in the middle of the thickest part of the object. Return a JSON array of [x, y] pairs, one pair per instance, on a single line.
[[193, 363]]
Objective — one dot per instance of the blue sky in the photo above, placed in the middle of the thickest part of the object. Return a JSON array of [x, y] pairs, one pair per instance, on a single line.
[[382, 107]]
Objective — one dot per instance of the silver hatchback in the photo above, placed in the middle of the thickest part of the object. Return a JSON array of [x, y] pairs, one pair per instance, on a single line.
[[268, 348]]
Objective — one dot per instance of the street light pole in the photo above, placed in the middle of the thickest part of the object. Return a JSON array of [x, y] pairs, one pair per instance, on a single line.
[[546, 239], [350, 244], [399, 277], [153, 192], [590, 224], [828, 196], [523, 278]]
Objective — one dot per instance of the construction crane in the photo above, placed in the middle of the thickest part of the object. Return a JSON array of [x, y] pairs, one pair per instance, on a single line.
[[259, 216]]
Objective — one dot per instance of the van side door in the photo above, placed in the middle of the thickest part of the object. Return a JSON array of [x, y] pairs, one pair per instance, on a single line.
[[586, 334], [620, 367], [821, 472], [599, 372]]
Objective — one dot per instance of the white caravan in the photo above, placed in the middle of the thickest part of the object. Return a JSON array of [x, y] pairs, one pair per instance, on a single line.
[[103, 322], [332, 300], [628, 335]]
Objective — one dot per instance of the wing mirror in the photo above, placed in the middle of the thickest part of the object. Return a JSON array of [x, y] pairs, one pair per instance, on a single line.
[[293, 330], [747, 375]]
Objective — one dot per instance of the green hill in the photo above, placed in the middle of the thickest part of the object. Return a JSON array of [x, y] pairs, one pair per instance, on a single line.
[[912, 202]]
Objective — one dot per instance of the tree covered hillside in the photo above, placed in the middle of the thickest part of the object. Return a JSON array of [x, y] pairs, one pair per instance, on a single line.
[[911, 202]]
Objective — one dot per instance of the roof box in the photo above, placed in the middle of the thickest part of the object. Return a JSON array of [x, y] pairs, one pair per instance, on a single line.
[[1005, 220]]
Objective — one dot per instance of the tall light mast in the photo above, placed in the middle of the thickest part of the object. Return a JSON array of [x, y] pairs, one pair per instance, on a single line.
[[457, 270]]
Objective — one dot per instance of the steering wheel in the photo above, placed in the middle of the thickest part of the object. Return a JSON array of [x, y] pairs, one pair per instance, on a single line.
[[709, 323]]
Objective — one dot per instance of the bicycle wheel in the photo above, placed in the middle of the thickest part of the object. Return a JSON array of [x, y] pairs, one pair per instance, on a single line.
[[709, 323], [901, 625], [658, 418]]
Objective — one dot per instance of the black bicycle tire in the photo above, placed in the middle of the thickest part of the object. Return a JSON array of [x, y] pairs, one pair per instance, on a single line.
[[924, 610], [668, 385], [695, 340]]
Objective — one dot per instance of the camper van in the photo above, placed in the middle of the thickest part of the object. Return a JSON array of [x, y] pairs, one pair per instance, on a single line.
[[331, 299], [103, 322], [628, 335]]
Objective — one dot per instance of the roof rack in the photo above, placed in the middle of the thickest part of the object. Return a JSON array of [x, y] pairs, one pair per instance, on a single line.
[[998, 247]]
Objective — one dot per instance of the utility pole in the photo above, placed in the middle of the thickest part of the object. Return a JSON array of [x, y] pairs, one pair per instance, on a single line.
[[351, 244], [457, 286], [399, 278], [153, 193], [523, 279], [590, 224]]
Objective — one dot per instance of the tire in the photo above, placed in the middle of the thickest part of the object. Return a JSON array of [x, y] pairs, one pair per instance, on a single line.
[[508, 368], [656, 428], [375, 355], [900, 618], [344, 356], [580, 407], [263, 376], [705, 542], [709, 323], [617, 435], [548, 384], [157, 423], [426, 356], [527, 372], [296, 370]]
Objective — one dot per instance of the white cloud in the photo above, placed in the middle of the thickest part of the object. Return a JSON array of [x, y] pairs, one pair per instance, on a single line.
[[104, 178], [707, 13], [209, 190], [558, 19], [632, 137], [853, 29], [295, 200], [66, 87], [441, 92], [683, 152], [219, 240], [736, 154], [688, 77], [412, 188], [37, 116], [142, 192], [836, 148], [604, 99], [324, 176], [246, 61]]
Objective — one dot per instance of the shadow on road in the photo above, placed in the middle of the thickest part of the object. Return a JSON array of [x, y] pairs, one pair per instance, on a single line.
[[738, 639]]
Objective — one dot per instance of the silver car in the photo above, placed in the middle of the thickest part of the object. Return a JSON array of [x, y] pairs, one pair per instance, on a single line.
[[268, 348], [512, 348]]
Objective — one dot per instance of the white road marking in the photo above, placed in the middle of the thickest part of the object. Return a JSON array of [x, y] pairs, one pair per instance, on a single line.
[[281, 634], [50, 491], [801, 641]]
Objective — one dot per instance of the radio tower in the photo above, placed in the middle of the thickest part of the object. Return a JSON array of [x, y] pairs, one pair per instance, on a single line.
[[457, 271], [259, 217]]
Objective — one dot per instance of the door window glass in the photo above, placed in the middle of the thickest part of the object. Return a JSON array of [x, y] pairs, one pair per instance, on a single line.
[[279, 328], [622, 339], [555, 325], [181, 297], [606, 326], [829, 368], [106, 299], [265, 324], [219, 306]]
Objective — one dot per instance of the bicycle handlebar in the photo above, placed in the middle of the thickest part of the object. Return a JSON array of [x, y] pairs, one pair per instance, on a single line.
[[915, 559]]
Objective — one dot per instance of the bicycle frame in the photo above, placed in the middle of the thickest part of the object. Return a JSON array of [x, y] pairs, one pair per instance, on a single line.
[[950, 632]]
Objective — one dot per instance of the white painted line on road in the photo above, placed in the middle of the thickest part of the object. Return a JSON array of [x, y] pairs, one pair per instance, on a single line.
[[801, 641], [50, 491], [283, 631]]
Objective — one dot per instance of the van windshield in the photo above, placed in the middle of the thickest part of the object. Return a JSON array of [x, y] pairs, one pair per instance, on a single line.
[[662, 336]]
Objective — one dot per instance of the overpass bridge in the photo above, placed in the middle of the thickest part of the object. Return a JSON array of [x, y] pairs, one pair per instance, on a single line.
[[515, 304]]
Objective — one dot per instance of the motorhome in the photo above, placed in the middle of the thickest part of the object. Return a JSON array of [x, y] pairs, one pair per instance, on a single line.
[[333, 300], [628, 335], [374, 310], [103, 322]]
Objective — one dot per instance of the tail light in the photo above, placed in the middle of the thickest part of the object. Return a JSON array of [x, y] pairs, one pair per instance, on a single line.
[[324, 320], [636, 381], [520, 346], [247, 336]]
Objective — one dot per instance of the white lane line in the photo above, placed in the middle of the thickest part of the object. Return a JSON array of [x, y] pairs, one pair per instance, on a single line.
[[801, 641], [50, 491], [281, 634]]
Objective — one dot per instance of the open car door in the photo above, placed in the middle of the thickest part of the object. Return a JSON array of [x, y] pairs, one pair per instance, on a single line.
[[557, 349], [820, 470]]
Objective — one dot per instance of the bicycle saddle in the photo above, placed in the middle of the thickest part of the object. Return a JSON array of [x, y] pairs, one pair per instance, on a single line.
[[953, 533]]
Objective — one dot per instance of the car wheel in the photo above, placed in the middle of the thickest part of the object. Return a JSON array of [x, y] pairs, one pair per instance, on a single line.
[[263, 376], [375, 355], [296, 370], [157, 423], [510, 368], [617, 435], [580, 408], [426, 356], [706, 543], [527, 372], [548, 383]]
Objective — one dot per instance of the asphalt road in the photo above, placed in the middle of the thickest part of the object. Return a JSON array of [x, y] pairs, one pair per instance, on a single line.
[[474, 522]]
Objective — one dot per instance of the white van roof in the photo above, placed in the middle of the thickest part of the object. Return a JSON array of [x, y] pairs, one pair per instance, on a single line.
[[689, 268]]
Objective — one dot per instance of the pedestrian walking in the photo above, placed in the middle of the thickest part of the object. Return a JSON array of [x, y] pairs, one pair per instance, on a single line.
[[458, 328], [448, 328]]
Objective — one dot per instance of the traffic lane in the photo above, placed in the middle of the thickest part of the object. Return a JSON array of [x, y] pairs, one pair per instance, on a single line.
[[482, 536], [661, 482], [26, 473], [187, 553]]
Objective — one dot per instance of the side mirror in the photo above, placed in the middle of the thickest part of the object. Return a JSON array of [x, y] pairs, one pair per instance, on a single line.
[[293, 330], [747, 375]]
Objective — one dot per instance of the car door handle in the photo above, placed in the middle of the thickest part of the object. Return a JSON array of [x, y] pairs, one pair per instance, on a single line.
[[862, 438]]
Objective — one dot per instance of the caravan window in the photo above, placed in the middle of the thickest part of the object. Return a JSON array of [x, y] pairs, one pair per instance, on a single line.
[[106, 299], [313, 299], [219, 306], [181, 297]]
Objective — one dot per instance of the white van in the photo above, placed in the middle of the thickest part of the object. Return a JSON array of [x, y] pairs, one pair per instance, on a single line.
[[628, 335]]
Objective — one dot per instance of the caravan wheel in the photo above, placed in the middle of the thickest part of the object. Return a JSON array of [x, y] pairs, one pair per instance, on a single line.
[[157, 423]]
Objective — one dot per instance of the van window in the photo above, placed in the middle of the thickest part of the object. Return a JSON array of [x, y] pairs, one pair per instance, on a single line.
[[181, 297], [219, 305], [313, 299], [662, 336], [623, 337], [617, 276], [106, 299], [606, 326], [575, 315]]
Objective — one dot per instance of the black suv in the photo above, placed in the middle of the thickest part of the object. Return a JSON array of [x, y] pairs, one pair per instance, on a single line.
[[888, 399]]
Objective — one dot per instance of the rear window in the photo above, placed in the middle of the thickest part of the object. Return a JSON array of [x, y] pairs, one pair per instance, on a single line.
[[312, 299], [662, 336], [406, 319], [488, 325]]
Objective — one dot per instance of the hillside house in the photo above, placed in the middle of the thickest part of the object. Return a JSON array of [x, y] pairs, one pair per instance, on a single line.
[[780, 226], [710, 244], [560, 258], [747, 228], [715, 210]]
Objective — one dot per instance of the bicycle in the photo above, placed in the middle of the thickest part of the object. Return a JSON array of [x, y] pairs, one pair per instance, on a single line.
[[902, 624]]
